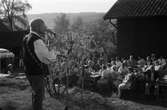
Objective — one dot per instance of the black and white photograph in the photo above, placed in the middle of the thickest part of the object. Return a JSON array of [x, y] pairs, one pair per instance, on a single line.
[[83, 55]]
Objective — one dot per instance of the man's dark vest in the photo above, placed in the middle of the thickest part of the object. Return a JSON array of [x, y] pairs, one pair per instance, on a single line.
[[33, 66]]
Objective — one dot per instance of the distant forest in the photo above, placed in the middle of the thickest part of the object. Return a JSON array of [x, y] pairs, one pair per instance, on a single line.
[[88, 31], [50, 17]]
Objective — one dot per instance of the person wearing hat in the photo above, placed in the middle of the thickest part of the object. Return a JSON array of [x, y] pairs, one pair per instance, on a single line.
[[36, 57]]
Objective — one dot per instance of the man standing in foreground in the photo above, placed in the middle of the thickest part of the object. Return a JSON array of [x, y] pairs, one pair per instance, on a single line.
[[36, 56]]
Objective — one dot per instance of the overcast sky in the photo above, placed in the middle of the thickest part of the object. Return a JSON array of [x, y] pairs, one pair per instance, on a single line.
[[68, 6]]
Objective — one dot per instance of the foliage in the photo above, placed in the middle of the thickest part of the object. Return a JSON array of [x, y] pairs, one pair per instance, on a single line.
[[104, 36], [61, 24], [13, 12], [82, 40], [71, 44], [77, 26]]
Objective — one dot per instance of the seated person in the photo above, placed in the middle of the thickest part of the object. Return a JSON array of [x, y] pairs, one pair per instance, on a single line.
[[118, 62], [113, 68], [10, 69], [162, 71], [141, 62], [148, 66], [157, 66], [113, 62], [126, 83], [105, 72], [123, 69], [109, 66], [131, 62], [162, 61]]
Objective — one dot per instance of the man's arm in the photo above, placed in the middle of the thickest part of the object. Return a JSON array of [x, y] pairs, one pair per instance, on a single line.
[[42, 52]]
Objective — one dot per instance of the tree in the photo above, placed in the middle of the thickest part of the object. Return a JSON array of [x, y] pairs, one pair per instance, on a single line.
[[13, 12], [77, 25], [104, 36], [61, 24]]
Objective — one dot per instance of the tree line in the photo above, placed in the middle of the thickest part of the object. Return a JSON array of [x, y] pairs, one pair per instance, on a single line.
[[93, 37]]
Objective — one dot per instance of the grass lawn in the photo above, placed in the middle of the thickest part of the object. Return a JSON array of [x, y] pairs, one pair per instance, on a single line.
[[15, 94]]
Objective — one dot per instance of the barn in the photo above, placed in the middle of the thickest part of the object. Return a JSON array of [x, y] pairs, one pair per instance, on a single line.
[[12, 41], [141, 26]]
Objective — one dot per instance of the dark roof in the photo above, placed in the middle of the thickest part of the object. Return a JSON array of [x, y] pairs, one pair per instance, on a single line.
[[137, 8]]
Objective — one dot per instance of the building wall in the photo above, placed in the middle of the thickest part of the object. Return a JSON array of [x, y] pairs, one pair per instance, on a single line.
[[10, 40], [13, 42], [142, 36]]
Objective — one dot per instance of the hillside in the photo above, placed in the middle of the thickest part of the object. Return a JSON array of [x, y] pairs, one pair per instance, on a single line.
[[50, 17]]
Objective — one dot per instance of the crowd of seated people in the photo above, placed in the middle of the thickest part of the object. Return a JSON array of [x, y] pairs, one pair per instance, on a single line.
[[120, 74], [124, 70]]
